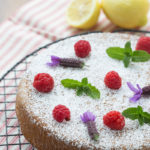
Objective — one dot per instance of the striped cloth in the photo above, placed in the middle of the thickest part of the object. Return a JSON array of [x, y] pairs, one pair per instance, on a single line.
[[35, 24]]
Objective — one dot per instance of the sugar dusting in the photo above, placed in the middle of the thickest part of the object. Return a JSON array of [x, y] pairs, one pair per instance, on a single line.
[[132, 136]]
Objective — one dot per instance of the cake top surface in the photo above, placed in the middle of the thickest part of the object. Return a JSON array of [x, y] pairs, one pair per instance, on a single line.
[[41, 105]]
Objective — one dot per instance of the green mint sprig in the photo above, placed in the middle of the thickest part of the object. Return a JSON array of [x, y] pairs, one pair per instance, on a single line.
[[127, 55], [82, 87], [134, 113]]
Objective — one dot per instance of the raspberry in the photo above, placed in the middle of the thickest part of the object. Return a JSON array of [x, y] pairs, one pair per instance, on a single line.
[[112, 80], [43, 82], [60, 113], [82, 48], [143, 44], [114, 120]]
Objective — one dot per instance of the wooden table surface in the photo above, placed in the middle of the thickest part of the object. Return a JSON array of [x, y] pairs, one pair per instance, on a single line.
[[7, 7]]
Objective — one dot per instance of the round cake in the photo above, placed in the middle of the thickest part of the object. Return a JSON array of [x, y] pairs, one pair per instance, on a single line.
[[35, 109]]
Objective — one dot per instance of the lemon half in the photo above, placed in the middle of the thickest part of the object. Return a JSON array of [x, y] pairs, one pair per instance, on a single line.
[[126, 13], [83, 14]]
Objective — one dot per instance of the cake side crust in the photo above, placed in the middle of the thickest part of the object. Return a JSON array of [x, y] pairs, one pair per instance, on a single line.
[[34, 131], [37, 107]]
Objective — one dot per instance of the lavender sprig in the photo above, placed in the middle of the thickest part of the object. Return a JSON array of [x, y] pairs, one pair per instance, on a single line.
[[138, 92], [89, 119], [66, 62]]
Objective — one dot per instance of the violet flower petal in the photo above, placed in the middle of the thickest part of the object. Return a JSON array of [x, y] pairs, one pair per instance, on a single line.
[[53, 64], [135, 98], [137, 92], [55, 58], [140, 90], [54, 61], [132, 88], [93, 117], [82, 118], [88, 116], [85, 117]]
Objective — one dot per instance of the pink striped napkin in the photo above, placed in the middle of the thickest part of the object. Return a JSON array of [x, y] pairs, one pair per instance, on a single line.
[[35, 24]]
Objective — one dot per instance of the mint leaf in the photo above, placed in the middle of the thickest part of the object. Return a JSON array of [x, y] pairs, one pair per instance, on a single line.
[[128, 45], [140, 56], [93, 92], [140, 119], [79, 91], [116, 53], [82, 87], [137, 113], [131, 113], [126, 54], [70, 83], [87, 90], [85, 81], [146, 117], [140, 109], [126, 61], [128, 48]]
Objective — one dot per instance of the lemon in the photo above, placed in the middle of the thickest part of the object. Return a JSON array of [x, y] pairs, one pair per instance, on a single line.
[[126, 13], [83, 14]]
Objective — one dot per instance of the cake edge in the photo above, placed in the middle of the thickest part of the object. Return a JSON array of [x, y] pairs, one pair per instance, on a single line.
[[34, 131]]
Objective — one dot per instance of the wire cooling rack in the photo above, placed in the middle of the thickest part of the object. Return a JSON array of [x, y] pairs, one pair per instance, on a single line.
[[11, 137]]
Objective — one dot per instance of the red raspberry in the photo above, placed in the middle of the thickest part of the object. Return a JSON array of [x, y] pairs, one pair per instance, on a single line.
[[82, 48], [112, 80], [60, 113], [114, 120], [143, 44], [43, 82]]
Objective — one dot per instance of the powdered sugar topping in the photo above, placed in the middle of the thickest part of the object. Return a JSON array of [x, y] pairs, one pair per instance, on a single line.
[[132, 136]]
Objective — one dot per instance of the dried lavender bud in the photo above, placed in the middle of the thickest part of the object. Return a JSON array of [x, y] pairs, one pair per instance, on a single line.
[[71, 62], [89, 119], [146, 90], [66, 62], [92, 130]]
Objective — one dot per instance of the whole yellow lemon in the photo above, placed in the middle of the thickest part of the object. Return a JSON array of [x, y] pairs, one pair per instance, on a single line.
[[126, 13]]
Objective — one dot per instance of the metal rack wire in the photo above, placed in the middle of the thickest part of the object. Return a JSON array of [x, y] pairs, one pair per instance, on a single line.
[[11, 137]]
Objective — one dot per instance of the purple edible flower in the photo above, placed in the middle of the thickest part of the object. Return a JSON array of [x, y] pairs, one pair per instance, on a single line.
[[89, 119], [88, 116], [55, 61], [137, 92], [65, 62]]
